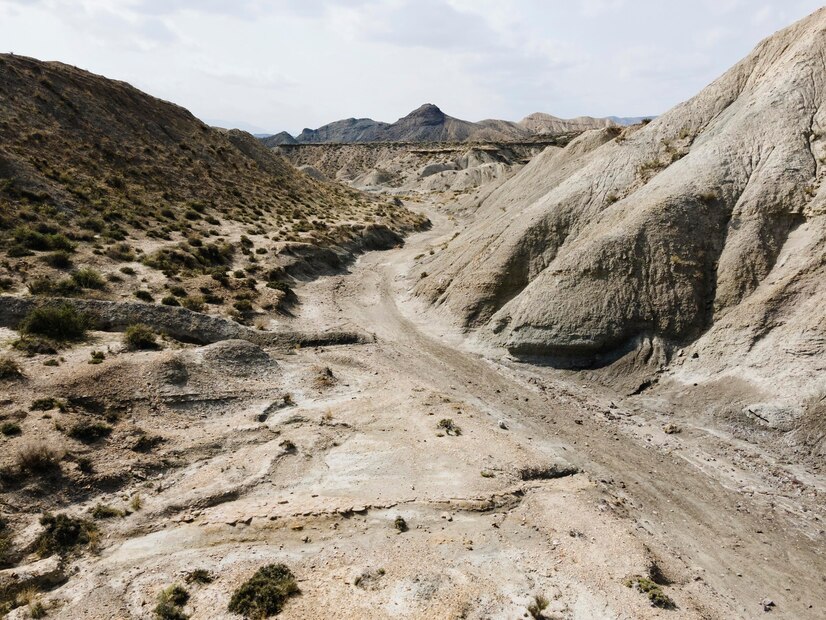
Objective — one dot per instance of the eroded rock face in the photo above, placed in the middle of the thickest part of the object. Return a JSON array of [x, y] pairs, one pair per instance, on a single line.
[[668, 229]]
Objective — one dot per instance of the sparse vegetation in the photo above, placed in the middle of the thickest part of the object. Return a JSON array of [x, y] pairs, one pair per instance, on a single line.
[[61, 323], [7, 551], [120, 252], [104, 511], [47, 404], [10, 429], [449, 427], [171, 603], [265, 593], [89, 432], [59, 260], [31, 346], [199, 575], [38, 458], [140, 337], [400, 524], [62, 533], [538, 606], [651, 589], [88, 278], [9, 369]]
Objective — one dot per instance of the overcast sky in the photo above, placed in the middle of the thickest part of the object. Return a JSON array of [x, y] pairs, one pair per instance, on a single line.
[[268, 65]]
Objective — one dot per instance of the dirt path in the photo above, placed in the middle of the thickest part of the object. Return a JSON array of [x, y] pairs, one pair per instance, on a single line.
[[741, 544], [543, 483]]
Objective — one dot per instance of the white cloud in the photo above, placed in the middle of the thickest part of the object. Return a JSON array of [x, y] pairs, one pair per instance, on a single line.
[[287, 64]]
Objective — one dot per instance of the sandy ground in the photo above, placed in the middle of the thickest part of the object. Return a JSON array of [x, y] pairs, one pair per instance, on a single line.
[[318, 484]]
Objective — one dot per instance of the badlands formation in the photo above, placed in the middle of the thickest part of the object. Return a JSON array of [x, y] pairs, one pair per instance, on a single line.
[[583, 378]]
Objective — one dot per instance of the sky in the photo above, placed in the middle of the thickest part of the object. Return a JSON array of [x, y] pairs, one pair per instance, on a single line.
[[272, 65]]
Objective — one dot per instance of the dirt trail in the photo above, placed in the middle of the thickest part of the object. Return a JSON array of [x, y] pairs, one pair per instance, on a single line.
[[740, 543], [547, 484]]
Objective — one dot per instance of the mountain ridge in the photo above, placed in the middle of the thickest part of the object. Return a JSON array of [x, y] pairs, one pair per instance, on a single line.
[[428, 123]]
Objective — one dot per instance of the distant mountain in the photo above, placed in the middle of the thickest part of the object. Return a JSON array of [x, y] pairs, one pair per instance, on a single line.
[[429, 124], [278, 139], [348, 130]]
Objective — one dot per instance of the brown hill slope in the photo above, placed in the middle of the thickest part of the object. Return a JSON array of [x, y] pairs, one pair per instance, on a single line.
[[96, 166], [709, 221]]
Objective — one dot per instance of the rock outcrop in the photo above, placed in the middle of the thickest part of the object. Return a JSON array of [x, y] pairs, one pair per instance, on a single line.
[[541, 123], [707, 223]]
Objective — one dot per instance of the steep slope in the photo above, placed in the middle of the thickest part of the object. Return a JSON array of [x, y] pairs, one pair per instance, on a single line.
[[709, 220], [107, 175]]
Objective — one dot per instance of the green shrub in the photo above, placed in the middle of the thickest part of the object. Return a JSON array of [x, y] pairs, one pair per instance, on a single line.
[[66, 287], [171, 602], [265, 593], [11, 429], [63, 533], [104, 511], [97, 357], [61, 323], [170, 300], [539, 604], [129, 271], [7, 552], [34, 346], [88, 278], [144, 296], [187, 257], [38, 458], [120, 252], [140, 337], [196, 304], [651, 589], [34, 240], [89, 432], [243, 306], [400, 524], [449, 427], [59, 260], [47, 404], [10, 369], [199, 575]]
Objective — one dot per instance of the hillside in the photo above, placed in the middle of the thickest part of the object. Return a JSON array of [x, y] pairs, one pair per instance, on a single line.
[[404, 168], [703, 230], [95, 174], [429, 124], [540, 123]]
